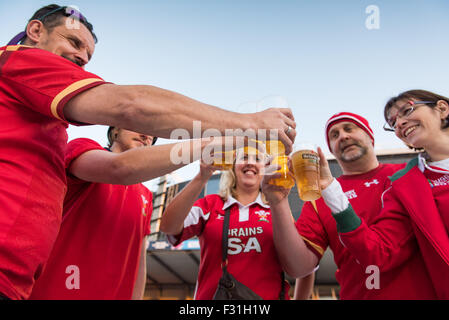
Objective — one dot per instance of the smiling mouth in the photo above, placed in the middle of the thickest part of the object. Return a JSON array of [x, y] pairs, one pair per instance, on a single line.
[[251, 172], [409, 130], [140, 141]]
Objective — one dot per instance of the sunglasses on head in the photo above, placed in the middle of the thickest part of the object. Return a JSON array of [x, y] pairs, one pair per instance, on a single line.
[[68, 12]]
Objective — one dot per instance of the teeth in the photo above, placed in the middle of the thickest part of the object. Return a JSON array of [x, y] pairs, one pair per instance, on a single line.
[[409, 130]]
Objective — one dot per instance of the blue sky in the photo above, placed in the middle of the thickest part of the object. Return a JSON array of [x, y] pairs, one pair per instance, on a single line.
[[318, 55]]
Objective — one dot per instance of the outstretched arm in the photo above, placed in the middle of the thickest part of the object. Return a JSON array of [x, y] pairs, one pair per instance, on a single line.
[[296, 258], [155, 111], [139, 164], [172, 222]]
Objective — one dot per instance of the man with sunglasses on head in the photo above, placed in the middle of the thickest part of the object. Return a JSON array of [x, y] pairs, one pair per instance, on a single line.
[[43, 88]]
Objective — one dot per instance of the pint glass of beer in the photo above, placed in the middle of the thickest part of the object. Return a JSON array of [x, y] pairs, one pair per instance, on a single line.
[[306, 168], [276, 150], [224, 159]]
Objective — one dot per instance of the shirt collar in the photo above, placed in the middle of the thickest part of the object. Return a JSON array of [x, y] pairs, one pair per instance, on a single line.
[[424, 164], [421, 162], [231, 200]]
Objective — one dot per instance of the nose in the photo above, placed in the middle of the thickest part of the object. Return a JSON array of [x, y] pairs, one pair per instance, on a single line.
[[343, 135], [82, 58], [400, 122]]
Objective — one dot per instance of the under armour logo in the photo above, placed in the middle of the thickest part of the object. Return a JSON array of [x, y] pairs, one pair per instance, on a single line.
[[368, 184]]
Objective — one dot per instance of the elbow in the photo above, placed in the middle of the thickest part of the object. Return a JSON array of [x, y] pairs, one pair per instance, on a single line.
[[168, 227], [165, 227], [297, 274]]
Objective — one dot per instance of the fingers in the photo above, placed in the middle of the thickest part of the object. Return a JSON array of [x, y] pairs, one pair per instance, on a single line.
[[287, 112], [323, 160], [287, 140], [272, 171], [326, 177]]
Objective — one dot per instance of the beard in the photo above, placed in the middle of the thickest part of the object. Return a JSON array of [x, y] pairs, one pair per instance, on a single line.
[[72, 60], [357, 153]]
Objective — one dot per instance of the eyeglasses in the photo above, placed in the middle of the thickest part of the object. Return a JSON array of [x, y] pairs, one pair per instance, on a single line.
[[68, 12], [404, 112]]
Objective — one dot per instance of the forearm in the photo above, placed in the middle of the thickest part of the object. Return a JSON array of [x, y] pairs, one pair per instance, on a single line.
[[304, 287], [150, 110], [386, 243], [172, 222], [296, 259], [142, 164], [139, 286]]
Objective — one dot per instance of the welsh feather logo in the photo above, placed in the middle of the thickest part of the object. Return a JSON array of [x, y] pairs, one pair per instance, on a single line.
[[144, 205], [263, 215]]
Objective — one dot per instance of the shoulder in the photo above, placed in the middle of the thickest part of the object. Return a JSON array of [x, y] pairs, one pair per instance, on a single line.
[[77, 147], [210, 201], [393, 167], [83, 142], [401, 173], [29, 56], [144, 190]]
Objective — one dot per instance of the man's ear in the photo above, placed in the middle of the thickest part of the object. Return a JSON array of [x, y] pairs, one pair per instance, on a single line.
[[34, 30], [115, 132]]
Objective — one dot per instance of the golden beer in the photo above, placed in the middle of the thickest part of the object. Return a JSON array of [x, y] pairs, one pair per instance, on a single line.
[[224, 160], [276, 149], [285, 180], [307, 174]]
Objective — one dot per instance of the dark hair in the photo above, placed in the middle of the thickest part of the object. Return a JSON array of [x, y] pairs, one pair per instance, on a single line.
[[111, 138], [417, 95], [51, 16]]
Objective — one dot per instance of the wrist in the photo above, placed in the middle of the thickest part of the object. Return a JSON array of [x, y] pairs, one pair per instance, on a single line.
[[327, 183], [249, 121], [275, 201], [203, 177]]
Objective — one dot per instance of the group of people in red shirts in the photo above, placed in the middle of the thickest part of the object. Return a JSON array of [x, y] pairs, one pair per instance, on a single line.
[[74, 217], [43, 88]]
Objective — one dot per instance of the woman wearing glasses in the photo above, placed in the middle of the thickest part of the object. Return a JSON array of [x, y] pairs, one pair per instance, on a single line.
[[416, 206]]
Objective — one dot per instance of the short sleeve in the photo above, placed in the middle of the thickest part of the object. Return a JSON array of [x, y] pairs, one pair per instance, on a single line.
[[74, 149], [41, 80], [194, 222], [311, 228], [77, 147]]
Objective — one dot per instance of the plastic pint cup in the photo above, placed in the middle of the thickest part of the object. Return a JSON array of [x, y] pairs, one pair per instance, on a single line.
[[224, 159], [276, 149], [306, 168]]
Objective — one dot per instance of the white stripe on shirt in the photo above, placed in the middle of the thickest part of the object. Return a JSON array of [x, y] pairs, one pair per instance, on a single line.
[[194, 217]]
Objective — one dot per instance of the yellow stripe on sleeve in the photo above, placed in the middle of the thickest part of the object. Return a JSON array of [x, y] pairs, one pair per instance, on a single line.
[[70, 89], [315, 246]]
